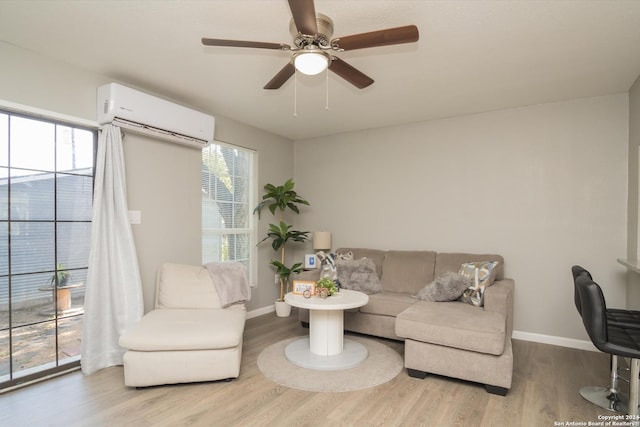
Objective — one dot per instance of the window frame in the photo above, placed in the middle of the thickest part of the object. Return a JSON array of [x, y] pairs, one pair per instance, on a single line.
[[252, 196]]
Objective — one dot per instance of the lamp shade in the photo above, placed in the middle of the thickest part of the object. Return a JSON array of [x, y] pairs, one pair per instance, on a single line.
[[311, 63], [321, 240]]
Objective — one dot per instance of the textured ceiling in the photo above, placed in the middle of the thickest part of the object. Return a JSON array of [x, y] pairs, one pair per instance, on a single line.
[[472, 56]]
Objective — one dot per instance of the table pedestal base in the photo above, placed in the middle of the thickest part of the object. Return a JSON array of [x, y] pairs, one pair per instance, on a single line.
[[299, 353]]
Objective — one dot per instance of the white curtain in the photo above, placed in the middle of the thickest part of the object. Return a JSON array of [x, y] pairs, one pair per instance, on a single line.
[[113, 298]]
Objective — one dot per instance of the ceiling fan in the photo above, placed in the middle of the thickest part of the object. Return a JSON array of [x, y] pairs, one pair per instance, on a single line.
[[312, 45]]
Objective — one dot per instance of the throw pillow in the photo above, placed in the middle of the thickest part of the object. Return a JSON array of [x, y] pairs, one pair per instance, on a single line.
[[482, 274], [447, 287], [358, 275]]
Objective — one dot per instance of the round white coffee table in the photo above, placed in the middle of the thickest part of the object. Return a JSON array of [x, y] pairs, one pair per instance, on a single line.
[[326, 348]]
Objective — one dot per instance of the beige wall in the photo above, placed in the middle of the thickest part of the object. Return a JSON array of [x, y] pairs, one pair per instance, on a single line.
[[633, 279], [163, 178], [545, 186]]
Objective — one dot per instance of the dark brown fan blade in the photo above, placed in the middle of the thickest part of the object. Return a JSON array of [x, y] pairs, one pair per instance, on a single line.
[[304, 15], [350, 74], [283, 75], [386, 37], [243, 43]]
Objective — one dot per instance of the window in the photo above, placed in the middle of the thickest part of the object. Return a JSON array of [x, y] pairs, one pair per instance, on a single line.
[[228, 197], [46, 190]]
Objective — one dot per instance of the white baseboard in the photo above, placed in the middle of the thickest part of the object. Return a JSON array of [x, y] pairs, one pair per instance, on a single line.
[[553, 340], [260, 311]]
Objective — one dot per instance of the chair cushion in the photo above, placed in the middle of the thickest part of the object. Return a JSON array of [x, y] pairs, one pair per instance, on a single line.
[[186, 329], [453, 324]]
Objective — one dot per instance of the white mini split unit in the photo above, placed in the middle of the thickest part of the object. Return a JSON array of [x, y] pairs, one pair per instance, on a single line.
[[144, 113]]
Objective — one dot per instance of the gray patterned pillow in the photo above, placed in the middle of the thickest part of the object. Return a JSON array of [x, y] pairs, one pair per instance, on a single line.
[[358, 275], [447, 287], [482, 274]]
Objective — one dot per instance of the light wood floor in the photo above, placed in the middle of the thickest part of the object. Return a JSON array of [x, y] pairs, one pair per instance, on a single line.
[[545, 390]]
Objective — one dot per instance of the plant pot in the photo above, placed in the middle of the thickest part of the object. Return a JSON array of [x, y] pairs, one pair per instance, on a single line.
[[283, 309], [63, 299]]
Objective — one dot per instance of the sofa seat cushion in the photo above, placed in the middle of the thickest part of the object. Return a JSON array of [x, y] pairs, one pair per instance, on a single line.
[[186, 329], [388, 303], [453, 324]]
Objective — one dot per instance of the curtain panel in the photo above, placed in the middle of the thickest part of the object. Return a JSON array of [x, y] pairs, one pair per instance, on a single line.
[[113, 297]]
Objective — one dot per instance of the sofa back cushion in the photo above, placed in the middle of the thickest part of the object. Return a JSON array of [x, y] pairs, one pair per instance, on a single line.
[[376, 255], [185, 286], [407, 271], [451, 262]]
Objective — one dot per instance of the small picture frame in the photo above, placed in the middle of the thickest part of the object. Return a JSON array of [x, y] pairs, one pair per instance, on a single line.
[[310, 261], [301, 286]]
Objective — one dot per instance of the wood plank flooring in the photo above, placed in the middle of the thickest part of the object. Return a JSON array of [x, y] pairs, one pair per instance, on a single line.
[[544, 392]]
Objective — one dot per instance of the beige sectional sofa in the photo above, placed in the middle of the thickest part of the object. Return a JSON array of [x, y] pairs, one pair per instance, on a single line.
[[453, 339]]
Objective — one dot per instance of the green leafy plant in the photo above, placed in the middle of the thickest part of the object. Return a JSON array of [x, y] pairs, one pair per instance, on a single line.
[[60, 277], [327, 283], [279, 199]]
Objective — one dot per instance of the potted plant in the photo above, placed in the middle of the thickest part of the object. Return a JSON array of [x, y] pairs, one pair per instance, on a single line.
[[326, 287], [59, 283], [279, 199]]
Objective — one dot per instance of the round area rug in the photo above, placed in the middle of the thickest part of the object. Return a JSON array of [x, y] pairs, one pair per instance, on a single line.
[[381, 365]]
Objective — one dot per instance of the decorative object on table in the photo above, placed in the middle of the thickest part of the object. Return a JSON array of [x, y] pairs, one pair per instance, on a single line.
[[302, 286], [326, 287], [282, 198], [310, 262]]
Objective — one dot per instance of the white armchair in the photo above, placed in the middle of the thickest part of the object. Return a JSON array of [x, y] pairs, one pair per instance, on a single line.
[[189, 336]]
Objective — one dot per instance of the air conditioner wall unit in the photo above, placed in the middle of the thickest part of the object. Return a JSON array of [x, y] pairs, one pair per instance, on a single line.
[[144, 113]]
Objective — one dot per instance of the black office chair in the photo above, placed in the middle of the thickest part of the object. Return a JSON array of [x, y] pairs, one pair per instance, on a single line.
[[609, 338]]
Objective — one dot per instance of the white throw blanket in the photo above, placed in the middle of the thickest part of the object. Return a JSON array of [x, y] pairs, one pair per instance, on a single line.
[[230, 280]]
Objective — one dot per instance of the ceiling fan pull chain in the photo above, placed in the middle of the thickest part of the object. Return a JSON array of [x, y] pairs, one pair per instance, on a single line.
[[326, 105], [295, 94]]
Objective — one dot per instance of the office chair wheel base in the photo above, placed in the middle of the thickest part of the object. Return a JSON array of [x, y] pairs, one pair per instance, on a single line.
[[606, 399]]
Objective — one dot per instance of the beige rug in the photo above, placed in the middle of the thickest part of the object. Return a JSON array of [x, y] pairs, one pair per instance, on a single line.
[[382, 365]]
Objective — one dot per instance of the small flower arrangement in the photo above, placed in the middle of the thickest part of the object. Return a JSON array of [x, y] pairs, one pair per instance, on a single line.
[[326, 287]]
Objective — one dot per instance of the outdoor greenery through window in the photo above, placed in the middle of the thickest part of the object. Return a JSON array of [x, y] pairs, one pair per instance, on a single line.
[[46, 190], [228, 197]]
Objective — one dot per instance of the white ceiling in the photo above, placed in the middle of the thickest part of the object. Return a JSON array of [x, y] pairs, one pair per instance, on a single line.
[[472, 56]]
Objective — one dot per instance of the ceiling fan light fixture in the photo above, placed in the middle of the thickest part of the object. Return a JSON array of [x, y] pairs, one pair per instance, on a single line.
[[311, 63]]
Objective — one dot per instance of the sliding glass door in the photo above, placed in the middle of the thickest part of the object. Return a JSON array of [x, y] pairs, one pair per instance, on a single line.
[[46, 188]]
